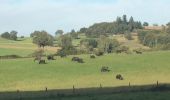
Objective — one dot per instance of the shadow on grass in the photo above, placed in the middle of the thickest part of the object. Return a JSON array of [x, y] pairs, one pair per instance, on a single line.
[[58, 93]]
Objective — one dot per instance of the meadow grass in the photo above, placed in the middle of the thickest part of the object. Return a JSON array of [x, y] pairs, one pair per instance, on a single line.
[[62, 73]]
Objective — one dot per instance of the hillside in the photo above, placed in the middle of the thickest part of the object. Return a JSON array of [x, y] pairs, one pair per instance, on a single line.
[[22, 47]]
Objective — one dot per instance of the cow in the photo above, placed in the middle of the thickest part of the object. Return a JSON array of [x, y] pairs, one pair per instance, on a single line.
[[119, 77], [137, 51], [105, 69], [77, 59], [50, 57], [42, 62], [92, 56]]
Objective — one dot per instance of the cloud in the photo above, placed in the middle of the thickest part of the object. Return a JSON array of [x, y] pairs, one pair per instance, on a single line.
[[26, 16]]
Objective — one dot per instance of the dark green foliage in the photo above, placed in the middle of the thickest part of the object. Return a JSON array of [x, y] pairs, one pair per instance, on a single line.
[[42, 38], [117, 27], [168, 29], [154, 38], [5, 35], [59, 32], [83, 30], [61, 53], [89, 43], [66, 45], [145, 24], [106, 44], [65, 42], [12, 35], [74, 34]]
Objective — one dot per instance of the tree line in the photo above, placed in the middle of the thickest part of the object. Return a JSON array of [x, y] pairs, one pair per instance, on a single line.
[[120, 26]]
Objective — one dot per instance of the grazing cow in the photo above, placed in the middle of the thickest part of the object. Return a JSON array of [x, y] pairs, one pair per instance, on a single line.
[[42, 62], [77, 59], [119, 77], [137, 52], [92, 56], [105, 69], [50, 57]]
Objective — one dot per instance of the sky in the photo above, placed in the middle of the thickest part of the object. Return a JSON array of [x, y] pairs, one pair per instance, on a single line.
[[26, 16]]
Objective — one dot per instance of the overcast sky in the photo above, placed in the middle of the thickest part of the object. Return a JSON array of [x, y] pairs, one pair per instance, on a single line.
[[25, 16]]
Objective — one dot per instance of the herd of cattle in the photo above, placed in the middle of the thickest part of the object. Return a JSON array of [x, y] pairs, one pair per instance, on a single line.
[[103, 69]]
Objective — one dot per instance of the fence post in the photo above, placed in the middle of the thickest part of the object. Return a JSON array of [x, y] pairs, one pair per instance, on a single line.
[[129, 84], [73, 89], [100, 85], [157, 84], [19, 95], [46, 89]]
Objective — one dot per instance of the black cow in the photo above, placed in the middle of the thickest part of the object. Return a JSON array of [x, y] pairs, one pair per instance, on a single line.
[[119, 77], [105, 69], [50, 57], [92, 56], [137, 51], [77, 59], [42, 62]]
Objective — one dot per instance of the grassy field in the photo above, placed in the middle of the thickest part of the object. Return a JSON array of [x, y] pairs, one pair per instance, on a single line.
[[22, 47], [63, 73]]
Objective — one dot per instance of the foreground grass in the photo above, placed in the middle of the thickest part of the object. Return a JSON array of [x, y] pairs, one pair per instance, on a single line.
[[24, 74], [120, 96]]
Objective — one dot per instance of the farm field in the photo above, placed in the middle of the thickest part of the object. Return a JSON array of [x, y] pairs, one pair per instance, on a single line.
[[62, 73]]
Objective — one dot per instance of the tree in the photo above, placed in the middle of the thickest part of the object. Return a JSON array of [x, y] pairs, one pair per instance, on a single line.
[[131, 24], [13, 35], [59, 32], [42, 38], [168, 29], [107, 45], [124, 19], [66, 45], [5, 35], [145, 24], [74, 34], [65, 42], [83, 30]]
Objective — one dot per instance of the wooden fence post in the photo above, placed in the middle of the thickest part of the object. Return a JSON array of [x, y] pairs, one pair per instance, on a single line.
[[100, 85], [73, 89], [129, 84], [46, 89], [157, 84]]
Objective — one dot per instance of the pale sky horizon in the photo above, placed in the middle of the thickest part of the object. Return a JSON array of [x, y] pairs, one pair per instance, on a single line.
[[26, 16]]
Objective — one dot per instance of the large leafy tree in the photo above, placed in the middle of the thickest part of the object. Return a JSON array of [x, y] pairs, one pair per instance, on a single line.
[[12, 35], [59, 32], [42, 38]]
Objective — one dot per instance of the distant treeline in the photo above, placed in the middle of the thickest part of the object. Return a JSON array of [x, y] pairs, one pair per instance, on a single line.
[[120, 26]]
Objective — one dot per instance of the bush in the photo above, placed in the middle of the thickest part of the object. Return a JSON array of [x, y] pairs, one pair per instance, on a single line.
[[128, 36], [99, 53]]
